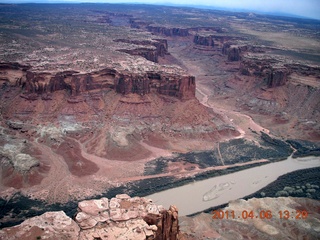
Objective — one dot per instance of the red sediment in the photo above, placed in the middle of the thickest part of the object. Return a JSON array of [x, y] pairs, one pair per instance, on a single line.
[[155, 140], [11, 178], [77, 164], [33, 177], [133, 152]]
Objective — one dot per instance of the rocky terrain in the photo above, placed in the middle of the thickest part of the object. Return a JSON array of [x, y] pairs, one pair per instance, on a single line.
[[95, 98], [121, 217], [274, 226], [90, 104]]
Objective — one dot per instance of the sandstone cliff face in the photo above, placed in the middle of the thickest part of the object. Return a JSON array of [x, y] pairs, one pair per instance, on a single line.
[[204, 40], [233, 51], [158, 47], [167, 224], [182, 87], [121, 217], [43, 84], [181, 32], [274, 76], [133, 106]]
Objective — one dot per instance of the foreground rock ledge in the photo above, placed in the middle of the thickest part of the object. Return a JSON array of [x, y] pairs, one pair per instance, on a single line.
[[121, 217]]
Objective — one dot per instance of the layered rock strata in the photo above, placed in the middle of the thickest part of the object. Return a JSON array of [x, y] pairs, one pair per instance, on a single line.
[[151, 51], [204, 40], [232, 51], [172, 31], [120, 217], [277, 77], [36, 84], [274, 76], [167, 31]]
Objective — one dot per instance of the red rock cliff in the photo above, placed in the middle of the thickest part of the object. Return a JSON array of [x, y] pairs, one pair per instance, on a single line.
[[182, 32], [37, 84], [204, 40], [160, 48]]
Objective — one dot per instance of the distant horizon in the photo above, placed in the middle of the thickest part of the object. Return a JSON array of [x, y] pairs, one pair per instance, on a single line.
[[309, 9]]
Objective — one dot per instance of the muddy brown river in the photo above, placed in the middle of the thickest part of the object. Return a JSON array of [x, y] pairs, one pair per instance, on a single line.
[[201, 195]]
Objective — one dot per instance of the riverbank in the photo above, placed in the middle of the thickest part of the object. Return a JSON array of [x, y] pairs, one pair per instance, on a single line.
[[212, 192], [19, 207]]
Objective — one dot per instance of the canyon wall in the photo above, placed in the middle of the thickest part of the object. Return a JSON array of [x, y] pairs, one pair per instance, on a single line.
[[151, 50], [232, 51], [273, 76], [36, 84], [166, 31], [204, 40]]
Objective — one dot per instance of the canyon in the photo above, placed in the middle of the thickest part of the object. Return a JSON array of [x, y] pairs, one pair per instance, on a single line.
[[101, 101]]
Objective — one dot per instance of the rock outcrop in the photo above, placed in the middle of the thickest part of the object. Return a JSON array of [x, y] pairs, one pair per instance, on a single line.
[[233, 51], [273, 75], [121, 217], [36, 84], [150, 54], [50, 225], [167, 31], [167, 223], [234, 54], [204, 40], [277, 77], [151, 50]]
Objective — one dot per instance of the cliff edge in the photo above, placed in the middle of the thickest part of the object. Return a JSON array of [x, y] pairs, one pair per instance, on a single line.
[[121, 217]]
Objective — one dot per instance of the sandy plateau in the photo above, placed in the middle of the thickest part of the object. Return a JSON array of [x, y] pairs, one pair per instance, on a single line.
[[99, 98]]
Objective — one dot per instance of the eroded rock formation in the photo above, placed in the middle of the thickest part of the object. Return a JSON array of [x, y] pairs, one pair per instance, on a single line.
[[36, 84], [181, 32], [151, 50], [204, 40], [273, 75], [277, 77], [233, 51], [120, 217]]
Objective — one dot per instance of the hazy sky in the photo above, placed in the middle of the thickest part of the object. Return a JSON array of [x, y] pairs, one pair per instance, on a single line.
[[308, 8]]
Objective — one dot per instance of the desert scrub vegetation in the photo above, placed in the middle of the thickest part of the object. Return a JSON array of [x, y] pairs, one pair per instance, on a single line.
[[301, 183], [306, 190]]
